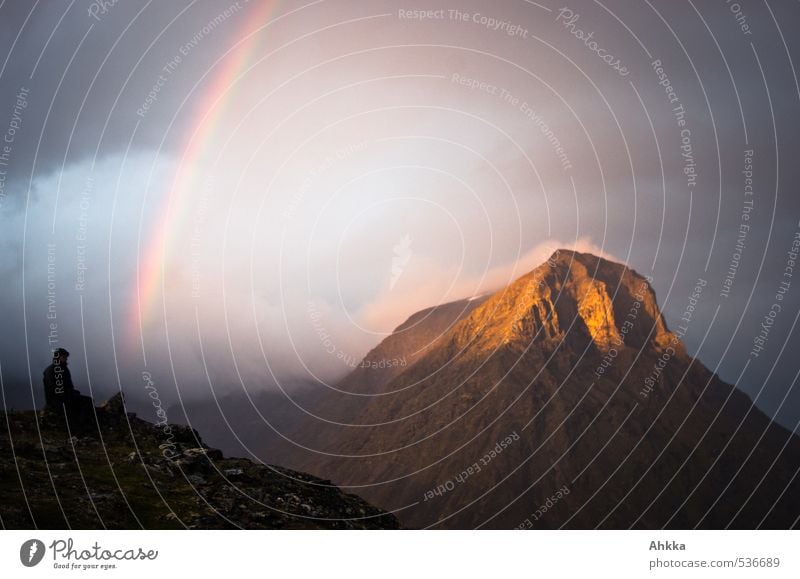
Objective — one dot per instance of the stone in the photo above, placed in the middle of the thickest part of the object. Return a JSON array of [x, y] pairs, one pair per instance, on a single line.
[[196, 480], [114, 405]]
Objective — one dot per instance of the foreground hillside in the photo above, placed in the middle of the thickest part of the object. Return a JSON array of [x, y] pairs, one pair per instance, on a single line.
[[133, 474]]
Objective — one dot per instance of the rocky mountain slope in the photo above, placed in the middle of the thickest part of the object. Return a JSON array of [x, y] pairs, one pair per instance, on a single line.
[[132, 474], [562, 400]]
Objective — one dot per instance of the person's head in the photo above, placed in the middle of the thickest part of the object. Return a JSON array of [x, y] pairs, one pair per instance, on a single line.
[[60, 356]]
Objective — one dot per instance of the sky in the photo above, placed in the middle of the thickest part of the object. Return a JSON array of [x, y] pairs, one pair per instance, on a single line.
[[229, 195]]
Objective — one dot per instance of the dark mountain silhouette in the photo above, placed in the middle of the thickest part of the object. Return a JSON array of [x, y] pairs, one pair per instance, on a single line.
[[134, 474], [562, 400], [245, 424]]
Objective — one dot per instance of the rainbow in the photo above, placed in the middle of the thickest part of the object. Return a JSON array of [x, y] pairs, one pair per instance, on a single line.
[[199, 143]]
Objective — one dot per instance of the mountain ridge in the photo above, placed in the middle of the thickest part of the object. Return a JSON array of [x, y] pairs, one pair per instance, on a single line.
[[559, 357]]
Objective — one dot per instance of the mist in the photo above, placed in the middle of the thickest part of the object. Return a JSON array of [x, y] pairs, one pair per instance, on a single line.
[[231, 199]]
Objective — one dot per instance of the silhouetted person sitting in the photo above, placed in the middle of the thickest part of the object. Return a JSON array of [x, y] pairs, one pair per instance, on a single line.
[[62, 398]]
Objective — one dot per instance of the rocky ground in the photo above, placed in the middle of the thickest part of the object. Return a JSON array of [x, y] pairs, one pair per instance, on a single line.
[[122, 476]]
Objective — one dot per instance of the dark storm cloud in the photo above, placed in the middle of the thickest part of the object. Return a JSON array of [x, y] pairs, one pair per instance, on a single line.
[[87, 77], [83, 72], [89, 70]]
